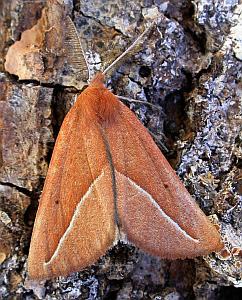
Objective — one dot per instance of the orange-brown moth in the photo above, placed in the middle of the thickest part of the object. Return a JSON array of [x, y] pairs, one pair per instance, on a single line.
[[108, 181]]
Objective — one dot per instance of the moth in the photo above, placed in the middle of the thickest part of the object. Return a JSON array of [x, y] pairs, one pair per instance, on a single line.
[[109, 182]]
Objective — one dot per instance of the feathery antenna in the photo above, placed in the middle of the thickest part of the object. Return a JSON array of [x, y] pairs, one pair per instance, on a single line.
[[74, 51], [117, 62]]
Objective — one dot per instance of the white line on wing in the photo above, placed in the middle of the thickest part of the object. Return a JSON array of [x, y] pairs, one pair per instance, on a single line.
[[78, 208], [173, 223]]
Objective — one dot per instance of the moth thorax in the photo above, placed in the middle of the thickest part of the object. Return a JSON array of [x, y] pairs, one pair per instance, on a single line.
[[98, 103]]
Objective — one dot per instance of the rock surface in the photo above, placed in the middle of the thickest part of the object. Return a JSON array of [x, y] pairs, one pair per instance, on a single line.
[[190, 67]]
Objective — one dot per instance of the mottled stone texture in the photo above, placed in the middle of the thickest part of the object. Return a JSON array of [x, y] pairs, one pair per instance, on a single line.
[[189, 66]]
